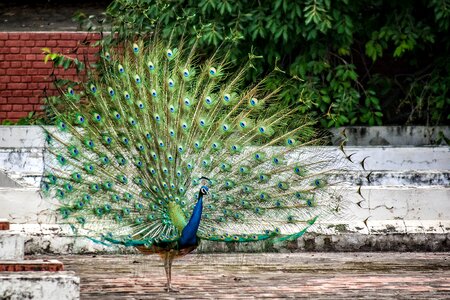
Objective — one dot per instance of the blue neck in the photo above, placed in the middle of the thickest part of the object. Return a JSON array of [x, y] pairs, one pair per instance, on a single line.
[[189, 233]]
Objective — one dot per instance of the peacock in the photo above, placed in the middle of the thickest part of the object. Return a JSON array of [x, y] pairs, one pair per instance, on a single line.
[[159, 147]]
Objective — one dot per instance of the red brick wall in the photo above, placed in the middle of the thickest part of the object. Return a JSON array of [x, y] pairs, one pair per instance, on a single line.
[[23, 73]]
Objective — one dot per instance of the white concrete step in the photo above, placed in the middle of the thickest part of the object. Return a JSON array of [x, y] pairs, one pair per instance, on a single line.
[[381, 203], [39, 285]]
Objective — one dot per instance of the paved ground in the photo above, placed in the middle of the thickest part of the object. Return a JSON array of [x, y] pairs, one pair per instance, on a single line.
[[248, 276]]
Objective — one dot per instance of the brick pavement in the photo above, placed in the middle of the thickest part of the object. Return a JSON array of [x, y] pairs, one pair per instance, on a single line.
[[275, 275]]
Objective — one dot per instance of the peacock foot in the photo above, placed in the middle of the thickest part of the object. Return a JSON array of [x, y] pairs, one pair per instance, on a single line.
[[171, 289]]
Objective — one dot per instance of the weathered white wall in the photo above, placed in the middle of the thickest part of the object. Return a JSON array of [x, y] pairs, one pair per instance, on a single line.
[[409, 192]]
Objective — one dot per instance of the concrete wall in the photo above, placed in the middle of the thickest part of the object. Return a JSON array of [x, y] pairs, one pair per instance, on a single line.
[[393, 135], [406, 202]]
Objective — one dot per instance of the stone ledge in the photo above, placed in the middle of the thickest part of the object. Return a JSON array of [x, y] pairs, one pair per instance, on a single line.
[[11, 245]]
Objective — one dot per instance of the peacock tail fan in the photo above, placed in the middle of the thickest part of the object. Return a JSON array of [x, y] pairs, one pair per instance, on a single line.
[[132, 140]]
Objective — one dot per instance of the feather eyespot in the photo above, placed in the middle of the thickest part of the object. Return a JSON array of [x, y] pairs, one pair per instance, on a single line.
[[226, 97], [137, 79], [154, 93], [151, 66], [135, 48], [169, 53], [70, 91], [186, 73], [171, 83], [212, 71], [253, 101], [121, 69]]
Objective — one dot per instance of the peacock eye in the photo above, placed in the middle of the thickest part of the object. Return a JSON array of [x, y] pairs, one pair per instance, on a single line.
[[93, 88], [121, 69], [127, 96], [171, 83], [154, 93], [226, 97], [203, 190], [151, 66], [187, 102], [137, 79], [253, 101], [111, 91], [107, 56], [135, 48], [212, 71], [208, 100], [185, 73], [242, 124], [262, 129], [70, 91], [225, 127], [169, 53]]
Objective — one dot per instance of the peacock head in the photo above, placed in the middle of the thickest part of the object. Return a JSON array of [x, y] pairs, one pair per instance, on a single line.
[[204, 190]]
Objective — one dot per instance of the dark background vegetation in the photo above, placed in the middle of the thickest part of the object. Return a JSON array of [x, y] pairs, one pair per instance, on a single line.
[[356, 62]]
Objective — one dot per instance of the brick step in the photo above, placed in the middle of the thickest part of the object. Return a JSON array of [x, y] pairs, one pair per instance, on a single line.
[[51, 265], [4, 224]]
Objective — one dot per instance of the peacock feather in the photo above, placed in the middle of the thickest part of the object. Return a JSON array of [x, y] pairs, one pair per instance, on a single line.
[[141, 135]]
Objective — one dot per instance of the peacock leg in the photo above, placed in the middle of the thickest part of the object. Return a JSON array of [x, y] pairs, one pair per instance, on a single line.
[[168, 259]]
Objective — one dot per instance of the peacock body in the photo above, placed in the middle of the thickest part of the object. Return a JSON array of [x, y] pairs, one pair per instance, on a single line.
[[160, 148]]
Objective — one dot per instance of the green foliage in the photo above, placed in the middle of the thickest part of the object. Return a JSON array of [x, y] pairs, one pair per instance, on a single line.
[[358, 62]]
